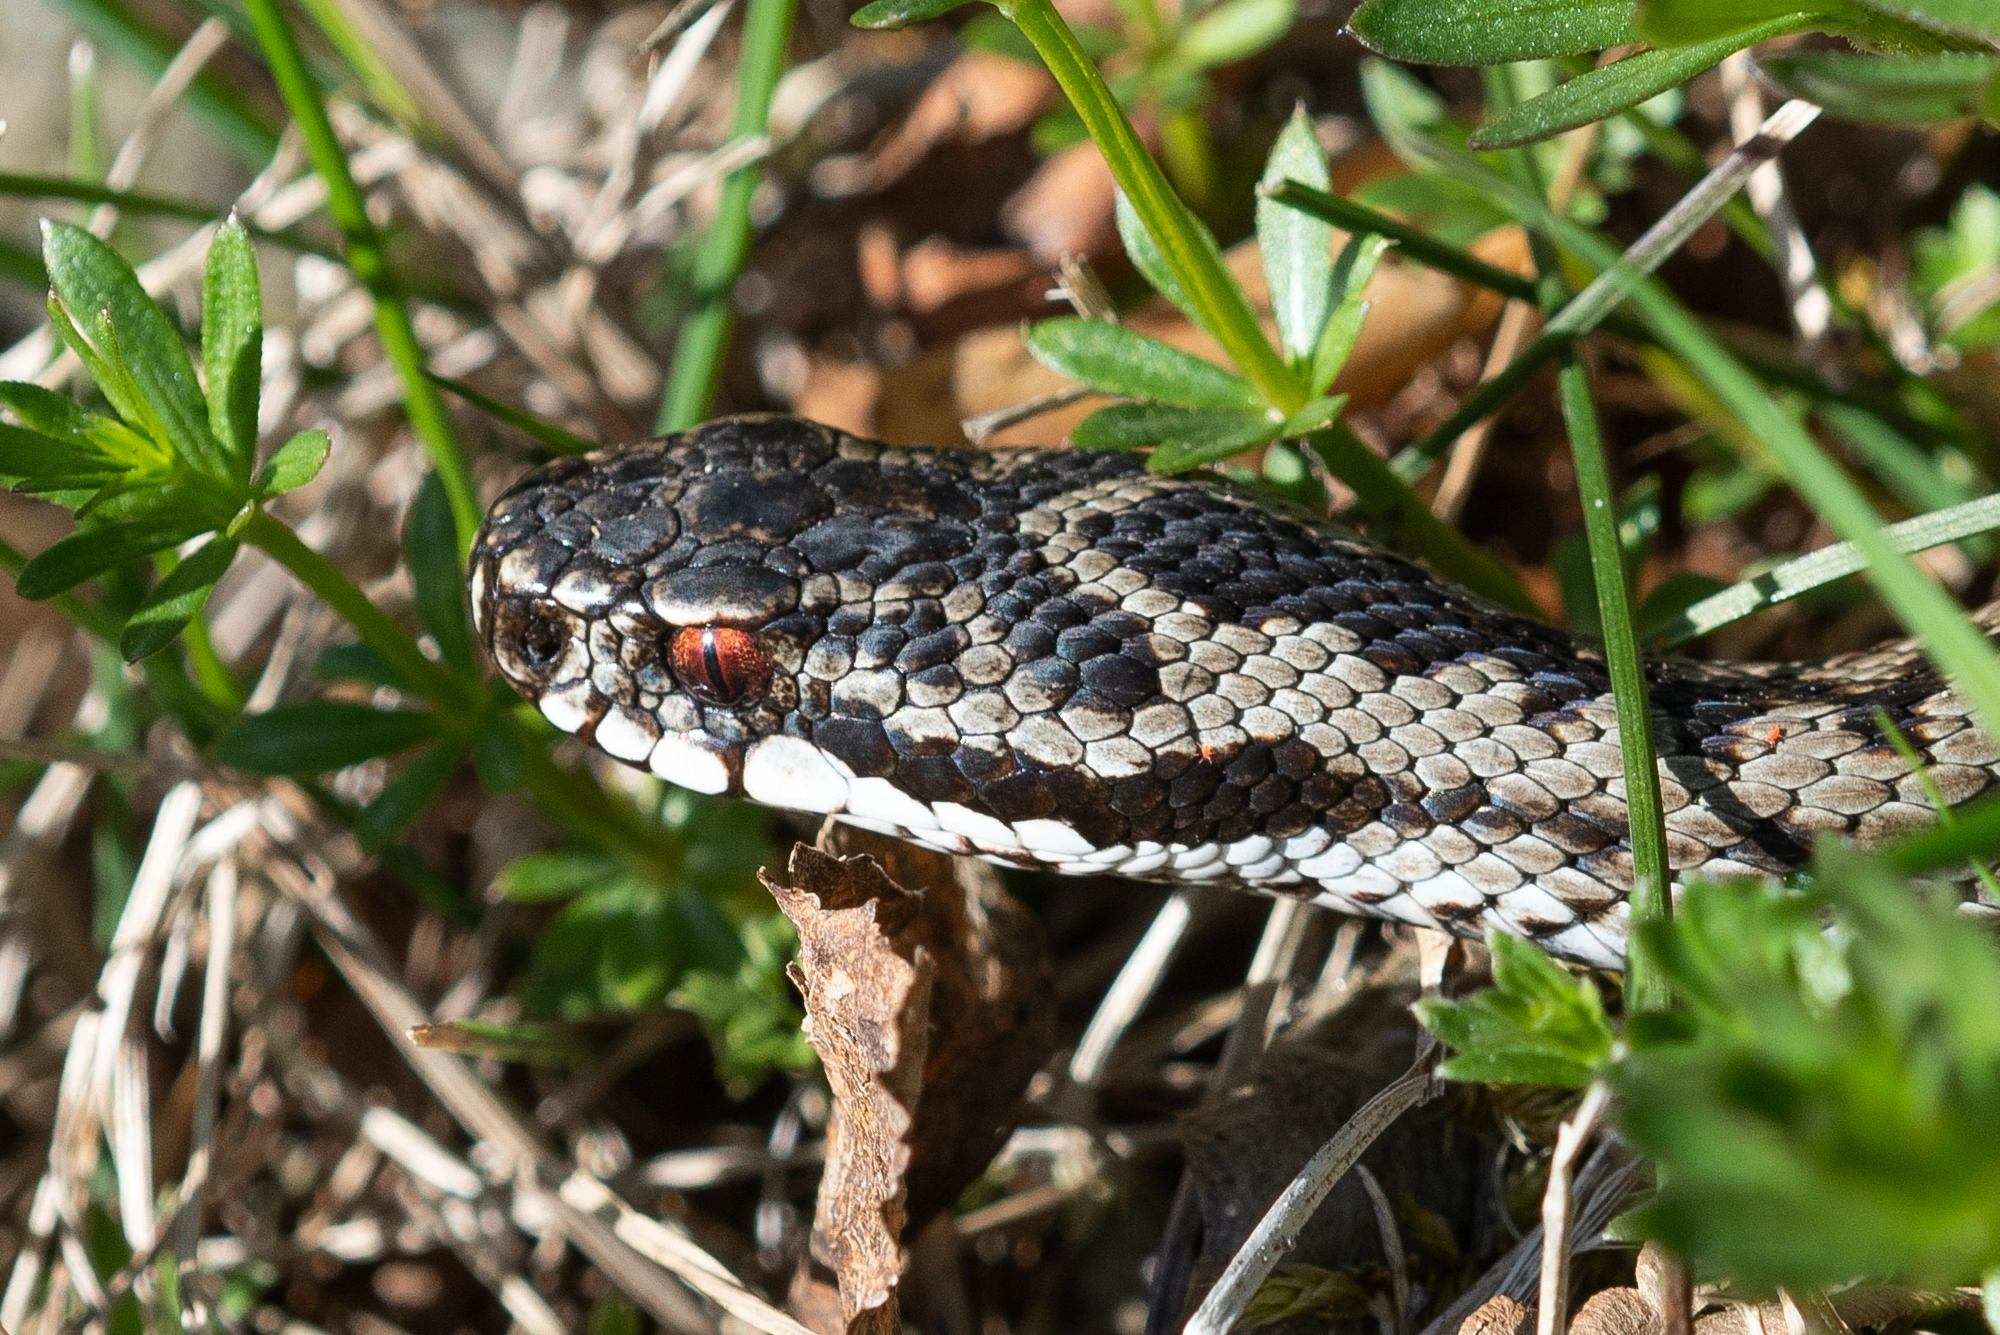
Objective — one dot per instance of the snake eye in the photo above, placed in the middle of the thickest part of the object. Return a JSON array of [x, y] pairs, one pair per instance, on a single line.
[[719, 665]]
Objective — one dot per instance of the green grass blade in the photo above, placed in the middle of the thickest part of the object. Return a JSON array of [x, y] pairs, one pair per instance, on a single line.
[[1610, 89], [1644, 810], [1826, 565], [704, 336], [1411, 242], [542, 431], [28, 186], [369, 260], [1958, 648], [1385, 498], [1209, 287], [1616, 279]]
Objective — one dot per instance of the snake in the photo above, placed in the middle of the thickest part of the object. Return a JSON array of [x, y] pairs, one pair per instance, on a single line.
[[1058, 660]]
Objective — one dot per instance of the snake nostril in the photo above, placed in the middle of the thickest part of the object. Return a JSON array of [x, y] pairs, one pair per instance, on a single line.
[[543, 639], [531, 640]]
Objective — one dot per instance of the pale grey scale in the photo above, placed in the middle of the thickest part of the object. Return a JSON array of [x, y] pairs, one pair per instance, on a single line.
[[1473, 782]]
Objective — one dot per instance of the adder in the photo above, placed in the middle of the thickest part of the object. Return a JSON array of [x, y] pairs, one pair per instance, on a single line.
[[1058, 660]]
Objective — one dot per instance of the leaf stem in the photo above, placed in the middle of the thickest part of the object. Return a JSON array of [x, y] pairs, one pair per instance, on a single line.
[[1645, 812], [370, 622], [1190, 256], [704, 336], [369, 260]]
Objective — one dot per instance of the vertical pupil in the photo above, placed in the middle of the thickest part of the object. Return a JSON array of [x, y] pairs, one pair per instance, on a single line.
[[711, 659]]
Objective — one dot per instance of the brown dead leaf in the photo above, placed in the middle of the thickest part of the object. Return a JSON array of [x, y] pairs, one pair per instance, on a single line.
[[992, 1010], [934, 998], [1416, 315], [843, 395], [937, 272], [1065, 208], [1498, 1315], [866, 981], [1616, 1312], [973, 99]]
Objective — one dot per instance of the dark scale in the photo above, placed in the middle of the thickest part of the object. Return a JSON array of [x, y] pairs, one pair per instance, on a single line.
[[894, 617]]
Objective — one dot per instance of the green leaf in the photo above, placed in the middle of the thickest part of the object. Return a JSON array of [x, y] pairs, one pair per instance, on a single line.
[[293, 464], [500, 756], [175, 600], [1116, 360], [93, 282], [1351, 275], [321, 735], [901, 13], [1686, 22], [1899, 90], [430, 549], [44, 462], [1598, 93], [1148, 259], [92, 551], [1312, 416], [1537, 1024], [1490, 32], [556, 874], [1232, 31], [1138, 426], [405, 797], [45, 411], [1215, 434], [232, 344], [1846, 1074], [1967, 18], [355, 662], [1297, 248]]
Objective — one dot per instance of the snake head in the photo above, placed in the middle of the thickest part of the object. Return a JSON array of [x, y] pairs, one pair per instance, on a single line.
[[660, 600]]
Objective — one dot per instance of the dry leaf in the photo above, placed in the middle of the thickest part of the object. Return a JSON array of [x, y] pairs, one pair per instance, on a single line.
[[1065, 208], [973, 99], [1498, 1315], [992, 1014], [867, 987], [1616, 1312]]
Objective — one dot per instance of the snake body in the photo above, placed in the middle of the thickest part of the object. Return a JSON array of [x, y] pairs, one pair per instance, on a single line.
[[1058, 660]]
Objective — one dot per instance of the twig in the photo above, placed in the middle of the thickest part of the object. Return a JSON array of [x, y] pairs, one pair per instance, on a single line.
[[622, 1249], [1812, 309], [1276, 1231], [403, 57], [1392, 1245], [1552, 1309], [1131, 989], [1605, 1180], [200, 47], [222, 890], [984, 427], [1590, 307]]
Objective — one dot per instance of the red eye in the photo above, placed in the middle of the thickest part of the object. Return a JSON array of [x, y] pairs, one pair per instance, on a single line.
[[719, 665]]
